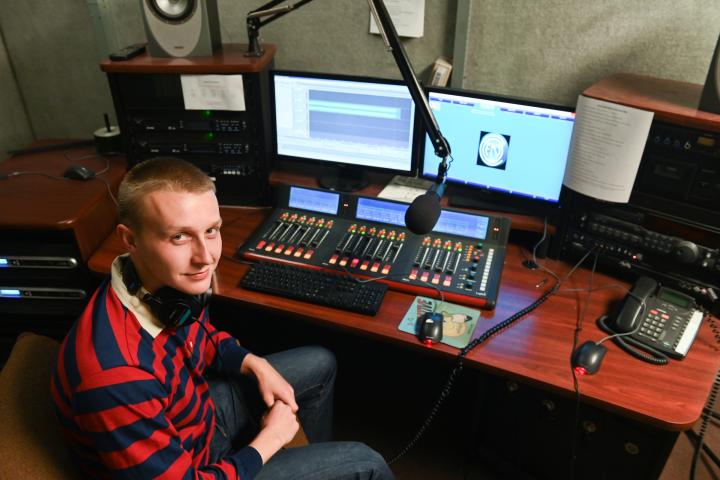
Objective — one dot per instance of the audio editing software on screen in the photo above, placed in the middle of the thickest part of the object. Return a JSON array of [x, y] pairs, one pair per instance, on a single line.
[[345, 121]]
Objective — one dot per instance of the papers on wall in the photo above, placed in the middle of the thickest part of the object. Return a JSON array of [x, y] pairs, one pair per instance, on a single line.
[[213, 92], [607, 145], [408, 16]]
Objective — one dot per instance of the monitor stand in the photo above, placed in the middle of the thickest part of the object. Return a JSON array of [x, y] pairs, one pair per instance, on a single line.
[[344, 179], [478, 202]]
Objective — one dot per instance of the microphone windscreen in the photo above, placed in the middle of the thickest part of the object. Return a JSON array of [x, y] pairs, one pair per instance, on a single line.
[[423, 213]]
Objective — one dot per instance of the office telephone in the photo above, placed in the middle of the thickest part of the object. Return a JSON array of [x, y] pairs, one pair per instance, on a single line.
[[657, 320]]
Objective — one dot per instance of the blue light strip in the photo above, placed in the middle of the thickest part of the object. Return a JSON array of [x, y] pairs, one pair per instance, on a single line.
[[10, 292]]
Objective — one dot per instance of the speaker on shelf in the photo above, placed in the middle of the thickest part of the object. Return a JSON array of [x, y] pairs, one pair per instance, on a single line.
[[710, 99], [181, 28]]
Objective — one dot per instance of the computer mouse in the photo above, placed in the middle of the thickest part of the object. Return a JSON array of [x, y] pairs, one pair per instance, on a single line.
[[588, 357], [78, 172], [429, 328]]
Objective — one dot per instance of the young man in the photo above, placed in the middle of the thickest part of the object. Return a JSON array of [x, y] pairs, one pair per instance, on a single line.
[[146, 387]]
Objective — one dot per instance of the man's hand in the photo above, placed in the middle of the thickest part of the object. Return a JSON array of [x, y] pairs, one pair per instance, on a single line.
[[278, 427], [271, 384]]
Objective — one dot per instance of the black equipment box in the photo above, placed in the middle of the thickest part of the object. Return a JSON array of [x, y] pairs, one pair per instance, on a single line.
[[232, 147]]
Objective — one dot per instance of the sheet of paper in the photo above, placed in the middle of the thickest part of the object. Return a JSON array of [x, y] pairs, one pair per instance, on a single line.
[[400, 193], [213, 92], [607, 145], [404, 189], [408, 16]]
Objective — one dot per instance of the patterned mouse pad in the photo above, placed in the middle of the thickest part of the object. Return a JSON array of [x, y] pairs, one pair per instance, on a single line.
[[458, 321]]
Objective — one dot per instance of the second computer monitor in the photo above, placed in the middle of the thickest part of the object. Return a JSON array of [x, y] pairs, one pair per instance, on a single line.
[[351, 124], [514, 150]]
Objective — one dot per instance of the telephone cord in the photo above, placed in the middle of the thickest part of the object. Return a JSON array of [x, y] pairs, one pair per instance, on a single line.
[[445, 392]]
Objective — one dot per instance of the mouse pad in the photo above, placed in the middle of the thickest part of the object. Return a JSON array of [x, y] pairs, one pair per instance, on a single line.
[[458, 321]]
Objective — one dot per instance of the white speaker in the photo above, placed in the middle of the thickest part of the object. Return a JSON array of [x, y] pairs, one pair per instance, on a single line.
[[710, 99], [181, 28]]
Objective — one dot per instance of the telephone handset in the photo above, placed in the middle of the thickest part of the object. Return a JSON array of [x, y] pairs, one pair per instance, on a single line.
[[658, 320]]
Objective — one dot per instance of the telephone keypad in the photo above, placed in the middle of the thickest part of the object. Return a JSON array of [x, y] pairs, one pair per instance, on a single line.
[[654, 324]]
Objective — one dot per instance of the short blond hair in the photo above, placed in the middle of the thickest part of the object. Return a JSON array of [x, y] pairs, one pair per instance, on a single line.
[[157, 174]]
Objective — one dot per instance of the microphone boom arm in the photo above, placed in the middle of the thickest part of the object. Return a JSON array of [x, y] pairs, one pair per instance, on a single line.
[[253, 22], [393, 44]]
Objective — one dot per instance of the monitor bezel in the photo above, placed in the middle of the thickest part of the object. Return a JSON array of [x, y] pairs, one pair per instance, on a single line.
[[416, 130], [515, 202]]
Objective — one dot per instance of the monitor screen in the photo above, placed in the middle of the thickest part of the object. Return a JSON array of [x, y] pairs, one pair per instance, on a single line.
[[505, 145], [354, 121]]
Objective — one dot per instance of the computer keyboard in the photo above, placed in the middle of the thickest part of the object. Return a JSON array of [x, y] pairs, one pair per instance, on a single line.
[[315, 286]]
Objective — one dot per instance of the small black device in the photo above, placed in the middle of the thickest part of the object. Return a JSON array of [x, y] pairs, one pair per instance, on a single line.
[[315, 286], [78, 172], [128, 52], [657, 320], [430, 328], [172, 307], [588, 357]]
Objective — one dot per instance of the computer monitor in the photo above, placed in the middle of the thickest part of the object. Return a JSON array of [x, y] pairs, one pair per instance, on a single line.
[[350, 124], [513, 152]]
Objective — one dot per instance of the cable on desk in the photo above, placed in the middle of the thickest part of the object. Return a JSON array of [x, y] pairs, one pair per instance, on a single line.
[[57, 177], [576, 384], [445, 392]]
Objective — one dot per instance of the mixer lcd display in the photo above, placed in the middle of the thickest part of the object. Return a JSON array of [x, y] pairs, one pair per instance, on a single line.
[[314, 200], [463, 224], [380, 211]]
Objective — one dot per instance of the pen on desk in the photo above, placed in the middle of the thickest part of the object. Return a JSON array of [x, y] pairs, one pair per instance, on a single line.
[[541, 283]]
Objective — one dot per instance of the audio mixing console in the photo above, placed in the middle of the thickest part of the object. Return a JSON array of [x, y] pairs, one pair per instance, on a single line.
[[463, 256]]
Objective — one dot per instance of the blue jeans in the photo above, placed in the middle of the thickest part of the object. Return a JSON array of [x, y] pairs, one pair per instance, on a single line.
[[311, 372]]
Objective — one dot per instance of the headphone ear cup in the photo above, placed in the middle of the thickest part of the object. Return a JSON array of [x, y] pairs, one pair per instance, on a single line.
[[174, 308]]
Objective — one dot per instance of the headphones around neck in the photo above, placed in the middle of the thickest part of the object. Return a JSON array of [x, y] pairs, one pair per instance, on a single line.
[[172, 307]]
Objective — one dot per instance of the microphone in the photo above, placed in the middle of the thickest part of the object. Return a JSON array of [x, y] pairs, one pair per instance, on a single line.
[[424, 211]]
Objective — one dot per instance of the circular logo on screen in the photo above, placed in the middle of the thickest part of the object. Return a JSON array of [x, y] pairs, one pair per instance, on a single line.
[[493, 150]]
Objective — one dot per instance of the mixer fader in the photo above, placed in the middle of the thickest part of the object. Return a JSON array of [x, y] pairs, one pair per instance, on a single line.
[[463, 256]]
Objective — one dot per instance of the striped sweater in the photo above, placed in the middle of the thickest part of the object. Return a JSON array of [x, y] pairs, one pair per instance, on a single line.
[[137, 406]]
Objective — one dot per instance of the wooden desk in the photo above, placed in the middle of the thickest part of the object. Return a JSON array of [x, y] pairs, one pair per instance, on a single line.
[[535, 350], [41, 199]]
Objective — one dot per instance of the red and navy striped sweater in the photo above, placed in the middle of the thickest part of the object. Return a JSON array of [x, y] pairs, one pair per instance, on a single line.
[[133, 406]]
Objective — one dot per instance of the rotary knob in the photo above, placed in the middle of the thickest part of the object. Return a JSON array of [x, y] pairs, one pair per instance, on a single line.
[[686, 252]]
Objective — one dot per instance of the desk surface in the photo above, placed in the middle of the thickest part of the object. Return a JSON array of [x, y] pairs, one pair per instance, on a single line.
[[40, 198], [535, 350]]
